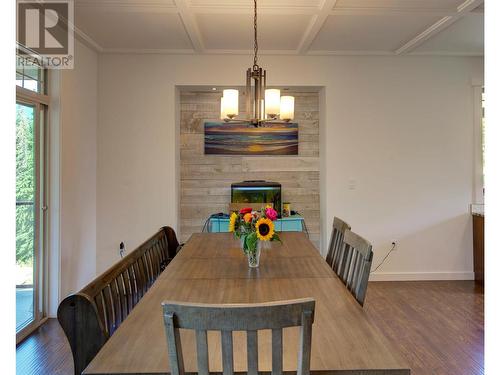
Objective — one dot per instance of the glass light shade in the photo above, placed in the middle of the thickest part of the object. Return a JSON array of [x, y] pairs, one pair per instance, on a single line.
[[287, 107], [230, 103], [223, 114], [272, 98]]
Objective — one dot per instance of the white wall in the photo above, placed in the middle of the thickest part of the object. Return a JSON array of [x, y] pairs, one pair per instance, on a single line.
[[78, 156], [398, 129]]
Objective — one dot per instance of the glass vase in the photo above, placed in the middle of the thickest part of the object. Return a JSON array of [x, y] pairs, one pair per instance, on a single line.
[[254, 256]]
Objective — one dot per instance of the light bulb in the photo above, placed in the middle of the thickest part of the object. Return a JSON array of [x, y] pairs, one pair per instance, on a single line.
[[272, 99], [230, 103], [287, 108]]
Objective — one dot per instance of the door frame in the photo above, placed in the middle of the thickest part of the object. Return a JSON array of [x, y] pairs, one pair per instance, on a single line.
[[39, 103]]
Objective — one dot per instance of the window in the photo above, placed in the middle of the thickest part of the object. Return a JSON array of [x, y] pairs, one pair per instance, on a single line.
[[30, 77], [479, 154], [31, 109], [482, 137]]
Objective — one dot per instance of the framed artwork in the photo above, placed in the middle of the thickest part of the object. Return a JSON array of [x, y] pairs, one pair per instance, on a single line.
[[223, 138]]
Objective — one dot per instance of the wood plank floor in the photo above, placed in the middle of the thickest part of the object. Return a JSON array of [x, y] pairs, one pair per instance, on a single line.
[[437, 325]]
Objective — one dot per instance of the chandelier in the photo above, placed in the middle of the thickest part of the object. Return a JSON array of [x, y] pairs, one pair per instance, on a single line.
[[262, 105]]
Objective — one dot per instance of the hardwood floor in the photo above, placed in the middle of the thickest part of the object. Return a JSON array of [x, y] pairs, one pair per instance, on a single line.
[[437, 325], [45, 352]]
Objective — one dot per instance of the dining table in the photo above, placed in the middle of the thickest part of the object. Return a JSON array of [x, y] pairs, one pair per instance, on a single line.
[[212, 268]]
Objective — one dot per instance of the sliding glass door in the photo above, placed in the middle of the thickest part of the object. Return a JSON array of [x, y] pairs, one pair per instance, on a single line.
[[26, 223], [31, 206]]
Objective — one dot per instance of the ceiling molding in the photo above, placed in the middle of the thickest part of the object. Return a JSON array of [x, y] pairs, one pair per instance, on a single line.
[[349, 53], [146, 51], [121, 6], [375, 11], [133, 9], [163, 51], [190, 25], [250, 52], [86, 39], [297, 10], [315, 26], [439, 26], [318, 15], [446, 53]]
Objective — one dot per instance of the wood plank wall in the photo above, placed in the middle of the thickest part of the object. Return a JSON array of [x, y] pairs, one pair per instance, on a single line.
[[206, 179]]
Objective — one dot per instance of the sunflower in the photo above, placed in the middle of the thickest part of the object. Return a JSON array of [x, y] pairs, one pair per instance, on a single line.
[[264, 229], [232, 221]]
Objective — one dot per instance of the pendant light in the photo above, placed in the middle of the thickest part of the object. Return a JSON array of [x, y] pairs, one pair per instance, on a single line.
[[262, 105]]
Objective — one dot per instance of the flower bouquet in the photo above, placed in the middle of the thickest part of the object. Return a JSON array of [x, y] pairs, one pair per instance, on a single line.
[[254, 228]]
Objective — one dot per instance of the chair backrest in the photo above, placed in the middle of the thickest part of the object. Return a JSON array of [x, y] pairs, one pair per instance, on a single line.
[[336, 240], [92, 315], [355, 264], [173, 245], [240, 317]]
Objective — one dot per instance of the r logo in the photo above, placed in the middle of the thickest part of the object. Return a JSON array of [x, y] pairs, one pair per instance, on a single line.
[[43, 26]]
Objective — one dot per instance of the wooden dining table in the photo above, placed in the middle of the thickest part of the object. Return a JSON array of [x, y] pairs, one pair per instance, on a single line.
[[211, 268]]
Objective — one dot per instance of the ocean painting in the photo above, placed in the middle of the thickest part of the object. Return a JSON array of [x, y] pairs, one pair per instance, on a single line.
[[242, 139]]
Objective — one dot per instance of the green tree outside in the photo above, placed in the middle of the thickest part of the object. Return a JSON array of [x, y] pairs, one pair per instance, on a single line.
[[25, 184]]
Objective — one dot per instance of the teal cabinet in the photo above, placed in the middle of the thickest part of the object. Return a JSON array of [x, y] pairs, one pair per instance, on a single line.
[[294, 223]]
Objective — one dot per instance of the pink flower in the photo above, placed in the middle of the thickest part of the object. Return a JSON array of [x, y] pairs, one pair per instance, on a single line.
[[271, 213]]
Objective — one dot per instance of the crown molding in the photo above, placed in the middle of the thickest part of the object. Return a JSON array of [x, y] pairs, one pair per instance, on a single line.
[[87, 40], [164, 51], [463, 9], [447, 53], [224, 9], [148, 51], [349, 53], [396, 11]]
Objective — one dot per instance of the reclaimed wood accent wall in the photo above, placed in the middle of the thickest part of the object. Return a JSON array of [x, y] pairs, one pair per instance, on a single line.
[[206, 179]]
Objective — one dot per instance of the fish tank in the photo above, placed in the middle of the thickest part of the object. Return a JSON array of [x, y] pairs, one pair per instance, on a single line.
[[257, 191]]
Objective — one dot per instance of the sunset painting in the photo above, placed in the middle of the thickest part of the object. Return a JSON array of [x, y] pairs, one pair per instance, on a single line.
[[241, 139]]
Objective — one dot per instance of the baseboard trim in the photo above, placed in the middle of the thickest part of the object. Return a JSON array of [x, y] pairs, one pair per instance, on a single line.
[[420, 276]]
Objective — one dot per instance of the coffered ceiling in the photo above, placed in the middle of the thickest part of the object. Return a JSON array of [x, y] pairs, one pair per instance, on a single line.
[[308, 27]]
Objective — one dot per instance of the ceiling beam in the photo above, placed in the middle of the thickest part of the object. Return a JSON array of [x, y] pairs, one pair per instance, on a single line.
[[439, 26], [315, 26], [190, 25]]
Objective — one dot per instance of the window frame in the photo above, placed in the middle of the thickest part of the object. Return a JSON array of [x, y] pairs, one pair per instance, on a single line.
[[40, 102], [478, 184]]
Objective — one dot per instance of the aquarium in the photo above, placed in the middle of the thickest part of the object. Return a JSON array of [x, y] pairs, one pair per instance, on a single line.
[[257, 192]]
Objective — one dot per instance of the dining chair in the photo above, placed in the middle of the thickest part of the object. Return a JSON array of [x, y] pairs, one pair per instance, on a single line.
[[336, 240], [355, 264], [240, 317]]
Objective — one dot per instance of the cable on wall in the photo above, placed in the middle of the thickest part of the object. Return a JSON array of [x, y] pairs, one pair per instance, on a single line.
[[383, 260]]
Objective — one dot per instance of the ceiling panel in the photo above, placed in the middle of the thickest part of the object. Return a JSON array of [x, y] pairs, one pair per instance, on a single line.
[[410, 4], [276, 32], [369, 33], [133, 30], [261, 3], [125, 3], [464, 36]]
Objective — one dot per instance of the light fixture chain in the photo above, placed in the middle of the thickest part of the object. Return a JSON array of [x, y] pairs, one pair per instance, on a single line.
[[256, 44]]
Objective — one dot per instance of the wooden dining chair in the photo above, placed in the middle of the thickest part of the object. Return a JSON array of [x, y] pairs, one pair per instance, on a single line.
[[355, 264], [241, 317], [336, 241]]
